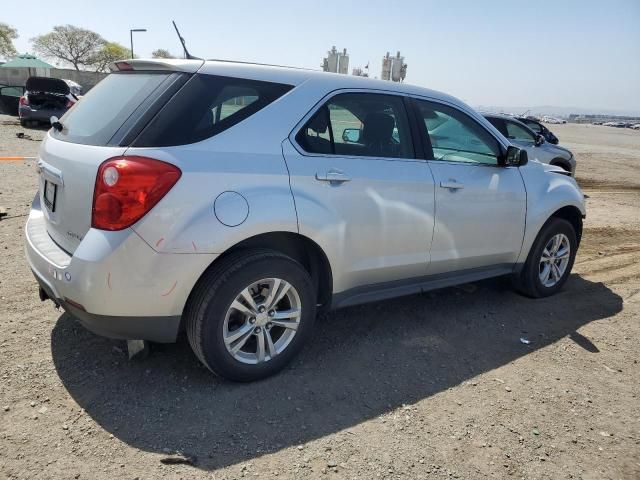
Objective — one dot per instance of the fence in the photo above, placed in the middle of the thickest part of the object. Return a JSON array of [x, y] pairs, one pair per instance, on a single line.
[[18, 76]]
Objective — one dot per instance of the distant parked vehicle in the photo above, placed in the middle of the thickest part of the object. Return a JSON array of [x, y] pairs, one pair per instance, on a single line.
[[553, 120], [10, 98], [535, 145], [539, 129], [635, 127], [45, 97]]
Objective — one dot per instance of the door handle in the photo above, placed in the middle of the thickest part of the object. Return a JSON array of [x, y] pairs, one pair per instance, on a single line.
[[452, 185], [332, 177]]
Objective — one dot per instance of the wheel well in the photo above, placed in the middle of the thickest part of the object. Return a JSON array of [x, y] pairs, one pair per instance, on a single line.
[[561, 163], [573, 216], [303, 250]]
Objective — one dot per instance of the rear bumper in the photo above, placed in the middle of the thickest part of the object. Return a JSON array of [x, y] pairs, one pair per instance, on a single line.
[[155, 329], [27, 113], [114, 283]]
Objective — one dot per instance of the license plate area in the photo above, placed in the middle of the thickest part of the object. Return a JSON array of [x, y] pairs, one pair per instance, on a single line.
[[49, 197]]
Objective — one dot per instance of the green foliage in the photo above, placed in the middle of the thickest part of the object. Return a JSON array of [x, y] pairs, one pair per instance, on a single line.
[[7, 35], [162, 53], [109, 53]]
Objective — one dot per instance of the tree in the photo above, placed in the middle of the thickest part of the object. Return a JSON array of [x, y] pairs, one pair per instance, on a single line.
[[70, 44], [109, 53], [162, 53], [7, 35]]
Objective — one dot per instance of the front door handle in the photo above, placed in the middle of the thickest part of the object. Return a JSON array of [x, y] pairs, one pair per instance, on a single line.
[[452, 185], [333, 177]]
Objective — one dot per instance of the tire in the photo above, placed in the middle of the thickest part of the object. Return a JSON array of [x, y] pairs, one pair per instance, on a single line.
[[562, 165], [209, 314], [528, 281]]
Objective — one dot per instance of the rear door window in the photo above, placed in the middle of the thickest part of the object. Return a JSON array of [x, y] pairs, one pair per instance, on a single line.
[[205, 106], [361, 125], [102, 111]]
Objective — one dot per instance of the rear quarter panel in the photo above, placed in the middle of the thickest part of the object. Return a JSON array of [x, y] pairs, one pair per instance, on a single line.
[[247, 159]]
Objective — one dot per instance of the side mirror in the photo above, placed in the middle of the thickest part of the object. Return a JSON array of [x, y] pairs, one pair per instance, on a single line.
[[351, 135], [515, 157], [539, 140]]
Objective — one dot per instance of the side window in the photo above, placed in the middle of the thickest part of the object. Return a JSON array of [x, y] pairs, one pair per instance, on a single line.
[[535, 126], [206, 106], [518, 132], [316, 136], [359, 124], [231, 100], [456, 137]]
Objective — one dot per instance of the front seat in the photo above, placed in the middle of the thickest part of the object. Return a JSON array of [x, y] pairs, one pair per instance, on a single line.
[[377, 135], [316, 143]]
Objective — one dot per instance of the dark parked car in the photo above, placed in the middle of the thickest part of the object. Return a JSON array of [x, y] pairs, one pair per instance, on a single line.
[[46, 97], [9, 98], [539, 128]]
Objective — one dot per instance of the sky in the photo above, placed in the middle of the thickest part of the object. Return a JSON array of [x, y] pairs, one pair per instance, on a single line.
[[566, 53]]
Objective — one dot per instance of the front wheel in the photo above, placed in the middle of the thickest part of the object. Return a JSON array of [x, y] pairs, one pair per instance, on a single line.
[[550, 260], [251, 314]]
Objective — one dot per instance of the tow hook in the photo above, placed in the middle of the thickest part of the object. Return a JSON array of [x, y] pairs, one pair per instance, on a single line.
[[42, 294]]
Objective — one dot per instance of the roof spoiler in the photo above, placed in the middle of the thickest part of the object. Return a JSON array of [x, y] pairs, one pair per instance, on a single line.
[[156, 64]]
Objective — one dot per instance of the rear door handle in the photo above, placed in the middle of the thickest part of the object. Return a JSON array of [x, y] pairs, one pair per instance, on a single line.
[[332, 177], [452, 185]]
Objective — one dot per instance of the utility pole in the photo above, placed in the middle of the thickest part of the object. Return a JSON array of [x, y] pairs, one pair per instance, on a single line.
[[131, 36]]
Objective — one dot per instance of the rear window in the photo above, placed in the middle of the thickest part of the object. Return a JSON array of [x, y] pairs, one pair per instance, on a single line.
[[98, 115], [206, 106]]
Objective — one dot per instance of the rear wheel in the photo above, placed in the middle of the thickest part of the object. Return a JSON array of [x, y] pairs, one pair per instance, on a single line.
[[250, 315], [550, 260]]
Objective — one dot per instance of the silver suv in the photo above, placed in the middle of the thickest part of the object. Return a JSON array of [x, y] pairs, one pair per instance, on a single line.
[[234, 201], [537, 147]]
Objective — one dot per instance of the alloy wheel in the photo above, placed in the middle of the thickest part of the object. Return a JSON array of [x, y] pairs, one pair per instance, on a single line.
[[262, 320], [554, 260]]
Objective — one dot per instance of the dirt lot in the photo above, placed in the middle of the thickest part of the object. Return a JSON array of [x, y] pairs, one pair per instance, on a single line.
[[429, 386]]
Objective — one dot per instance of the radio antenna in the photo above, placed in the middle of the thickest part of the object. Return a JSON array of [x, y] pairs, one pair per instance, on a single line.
[[187, 55]]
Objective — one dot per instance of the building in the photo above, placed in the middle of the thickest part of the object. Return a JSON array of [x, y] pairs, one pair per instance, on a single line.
[[393, 68], [336, 62]]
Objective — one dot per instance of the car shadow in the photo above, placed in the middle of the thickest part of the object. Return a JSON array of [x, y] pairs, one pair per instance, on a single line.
[[362, 362]]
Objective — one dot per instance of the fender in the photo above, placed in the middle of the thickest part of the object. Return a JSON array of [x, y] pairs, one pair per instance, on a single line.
[[547, 192]]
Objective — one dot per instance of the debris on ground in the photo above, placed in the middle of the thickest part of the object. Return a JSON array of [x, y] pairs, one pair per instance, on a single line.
[[178, 459]]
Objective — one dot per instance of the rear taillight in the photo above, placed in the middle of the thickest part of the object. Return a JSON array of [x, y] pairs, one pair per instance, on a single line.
[[127, 188], [70, 103], [24, 100]]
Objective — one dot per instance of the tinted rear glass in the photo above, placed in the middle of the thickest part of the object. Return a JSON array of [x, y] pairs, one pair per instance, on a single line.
[[102, 111], [206, 106]]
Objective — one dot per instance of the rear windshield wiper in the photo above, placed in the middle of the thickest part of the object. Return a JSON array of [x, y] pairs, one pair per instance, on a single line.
[[55, 123]]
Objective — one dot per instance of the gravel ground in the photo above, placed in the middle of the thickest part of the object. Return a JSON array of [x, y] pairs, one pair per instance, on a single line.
[[428, 386]]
